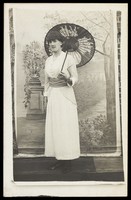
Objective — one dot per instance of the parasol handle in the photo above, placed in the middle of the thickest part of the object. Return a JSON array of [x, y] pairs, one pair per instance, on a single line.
[[69, 81], [64, 61]]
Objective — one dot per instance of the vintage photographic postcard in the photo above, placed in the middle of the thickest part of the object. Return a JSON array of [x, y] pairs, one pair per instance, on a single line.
[[65, 99]]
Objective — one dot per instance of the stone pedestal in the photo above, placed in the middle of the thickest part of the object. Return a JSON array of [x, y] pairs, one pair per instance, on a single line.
[[36, 109]]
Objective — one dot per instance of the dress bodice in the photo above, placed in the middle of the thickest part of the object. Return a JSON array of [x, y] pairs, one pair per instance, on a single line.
[[53, 65]]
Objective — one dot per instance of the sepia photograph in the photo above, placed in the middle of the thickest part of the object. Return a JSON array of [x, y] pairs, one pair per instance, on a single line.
[[63, 85]]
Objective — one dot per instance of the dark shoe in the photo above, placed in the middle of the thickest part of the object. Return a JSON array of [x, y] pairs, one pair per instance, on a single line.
[[56, 165], [67, 167]]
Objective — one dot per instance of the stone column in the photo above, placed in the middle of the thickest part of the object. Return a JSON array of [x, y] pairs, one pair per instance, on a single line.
[[35, 110]]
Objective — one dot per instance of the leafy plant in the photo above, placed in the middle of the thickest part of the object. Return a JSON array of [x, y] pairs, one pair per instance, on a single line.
[[33, 61], [33, 58], [27, 92], [95, 132]]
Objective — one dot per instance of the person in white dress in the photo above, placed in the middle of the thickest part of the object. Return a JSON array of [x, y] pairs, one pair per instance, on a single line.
[[61, 127]]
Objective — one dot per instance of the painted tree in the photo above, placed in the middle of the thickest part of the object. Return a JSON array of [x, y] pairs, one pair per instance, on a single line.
[[12, 62], [100, 25]]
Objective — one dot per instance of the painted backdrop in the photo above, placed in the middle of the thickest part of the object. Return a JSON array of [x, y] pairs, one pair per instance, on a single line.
[[95, 91]]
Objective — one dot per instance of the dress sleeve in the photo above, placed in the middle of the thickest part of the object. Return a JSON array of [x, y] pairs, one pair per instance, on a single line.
[[46, 82], [72, 70]]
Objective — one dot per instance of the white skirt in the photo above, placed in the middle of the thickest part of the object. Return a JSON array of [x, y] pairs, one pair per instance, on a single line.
[[61, 128]]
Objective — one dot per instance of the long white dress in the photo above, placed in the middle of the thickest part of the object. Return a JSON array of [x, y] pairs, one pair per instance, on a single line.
[[61, 128]]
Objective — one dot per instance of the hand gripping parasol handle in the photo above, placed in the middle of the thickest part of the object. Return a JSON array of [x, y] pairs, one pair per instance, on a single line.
[[64, 61]]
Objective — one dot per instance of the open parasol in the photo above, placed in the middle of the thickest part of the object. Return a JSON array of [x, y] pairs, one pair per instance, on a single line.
[[77, 41]]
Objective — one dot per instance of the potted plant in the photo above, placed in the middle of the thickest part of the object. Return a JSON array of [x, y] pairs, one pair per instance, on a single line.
[[33, 62]]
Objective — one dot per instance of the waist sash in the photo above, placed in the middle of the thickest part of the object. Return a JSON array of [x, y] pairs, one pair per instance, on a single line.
[[57, 82]]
